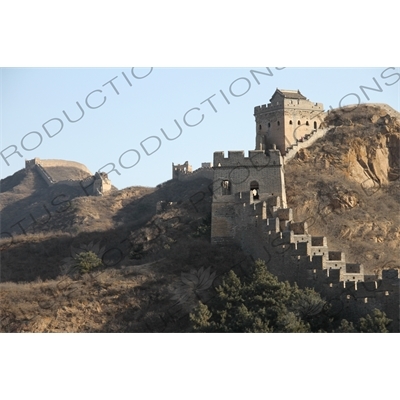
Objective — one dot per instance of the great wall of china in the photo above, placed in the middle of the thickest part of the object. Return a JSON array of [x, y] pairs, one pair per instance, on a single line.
[[249, 209]]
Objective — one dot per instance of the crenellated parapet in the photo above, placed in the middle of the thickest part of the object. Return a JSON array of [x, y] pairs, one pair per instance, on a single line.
[[256, 159], [288, 104], [258, 228], [297, 256]]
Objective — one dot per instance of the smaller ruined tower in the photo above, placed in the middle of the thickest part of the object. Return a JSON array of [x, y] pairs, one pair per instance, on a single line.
[[181, 169]]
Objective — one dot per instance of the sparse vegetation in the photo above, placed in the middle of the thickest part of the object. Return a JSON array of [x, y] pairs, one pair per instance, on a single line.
[[202, 230], [87, 261], [137, 251]]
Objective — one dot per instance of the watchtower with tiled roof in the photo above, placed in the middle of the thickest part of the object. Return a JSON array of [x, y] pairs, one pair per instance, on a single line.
[[286, 120]]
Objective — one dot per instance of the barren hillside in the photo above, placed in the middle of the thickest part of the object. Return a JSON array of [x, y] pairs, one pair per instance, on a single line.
[[140, 285]]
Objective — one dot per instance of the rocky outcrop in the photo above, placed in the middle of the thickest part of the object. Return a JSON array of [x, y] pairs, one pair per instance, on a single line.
[[364, 142], [347, 185]]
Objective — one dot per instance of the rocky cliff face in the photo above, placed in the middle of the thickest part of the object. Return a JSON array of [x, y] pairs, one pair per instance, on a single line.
[[364, 143], [347, 185]]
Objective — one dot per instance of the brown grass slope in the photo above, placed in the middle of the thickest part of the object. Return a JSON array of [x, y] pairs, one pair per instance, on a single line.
[[143, 291], [149, 297], [25, 197], [108, 220]]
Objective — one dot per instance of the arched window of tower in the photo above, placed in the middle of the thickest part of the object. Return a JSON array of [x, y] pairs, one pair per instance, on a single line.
[[290, 122], [298, 122], [279, 123], [307, 123], [226, 187], [254, 189]]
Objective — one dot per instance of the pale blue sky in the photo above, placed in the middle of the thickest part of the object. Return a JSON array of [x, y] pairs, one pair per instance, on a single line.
[[30, 97]]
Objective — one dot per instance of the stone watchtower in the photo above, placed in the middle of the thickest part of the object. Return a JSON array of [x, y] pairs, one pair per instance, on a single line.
[[252, 189], [243, 188], [288, 119]]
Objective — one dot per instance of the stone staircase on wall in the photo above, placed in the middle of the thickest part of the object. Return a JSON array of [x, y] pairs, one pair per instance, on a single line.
[[43, 173], [307, 141]]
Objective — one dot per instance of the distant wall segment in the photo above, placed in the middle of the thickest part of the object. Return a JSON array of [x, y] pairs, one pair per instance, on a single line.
[[29, 164], [96, 184]]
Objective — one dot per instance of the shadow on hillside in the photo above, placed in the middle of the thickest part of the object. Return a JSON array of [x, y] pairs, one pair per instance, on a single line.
[[153, 305], [12, 181], [40, 256], [194, 195], [39, 203]]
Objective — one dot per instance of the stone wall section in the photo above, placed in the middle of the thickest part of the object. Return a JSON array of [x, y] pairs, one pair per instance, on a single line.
[[56, 163], [97, 184], [184, 172], [292, 254]]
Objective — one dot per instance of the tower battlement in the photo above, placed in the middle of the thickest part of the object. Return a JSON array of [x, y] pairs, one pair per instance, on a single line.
[[289, 104], [255, 159]]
